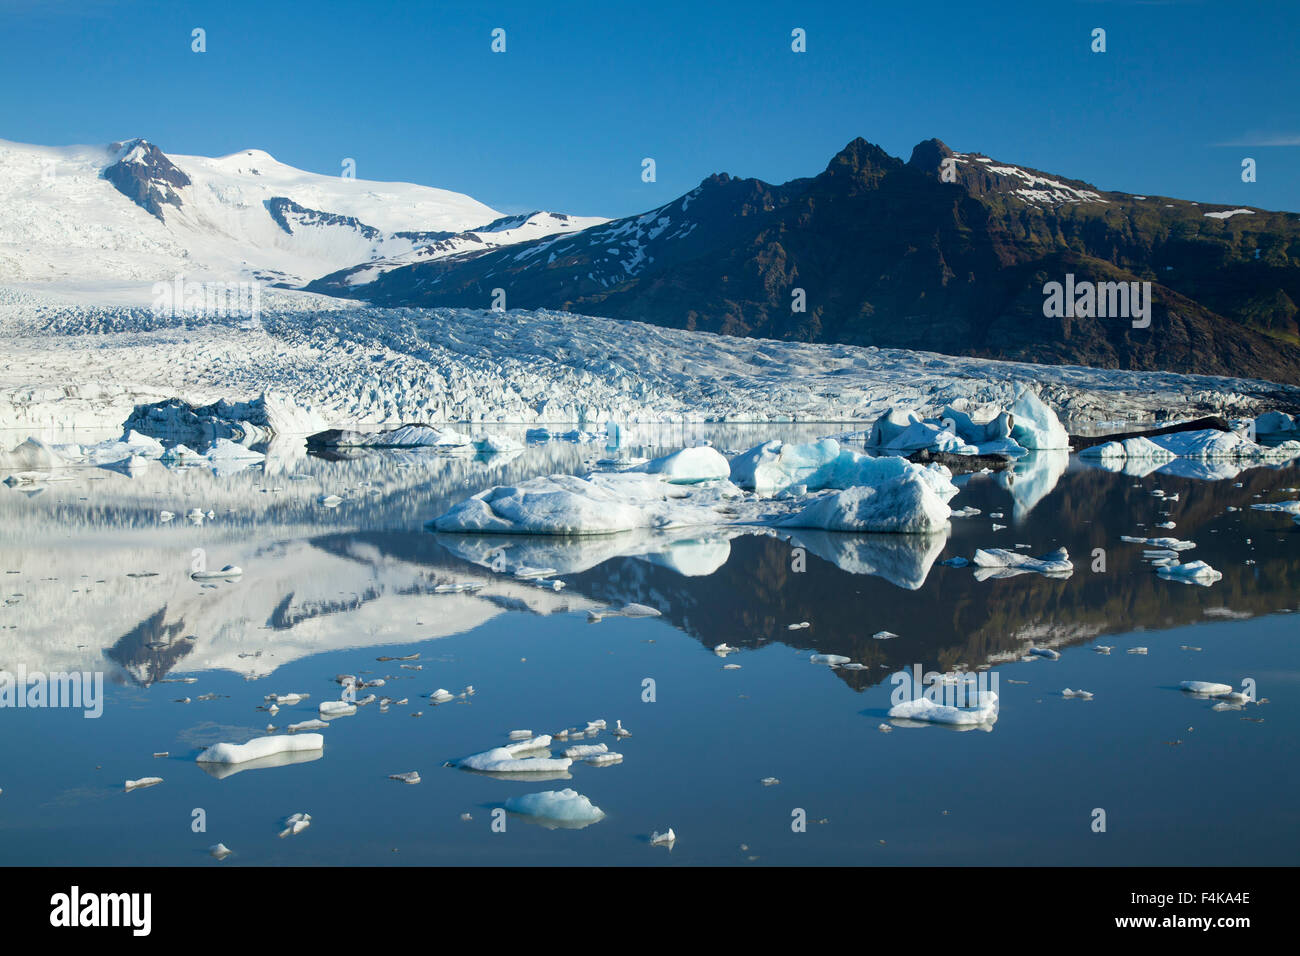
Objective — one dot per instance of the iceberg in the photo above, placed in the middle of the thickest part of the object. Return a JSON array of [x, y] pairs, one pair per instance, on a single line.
[[1010, 563], [688, 465], [563, 808], [506, 760], [905, 505], [925, 709], [260, 747], [1194, 572], [1206, 688]]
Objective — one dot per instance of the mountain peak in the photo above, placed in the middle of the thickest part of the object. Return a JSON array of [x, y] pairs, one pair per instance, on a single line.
[[143, 174], [861, 163], [929, 154]]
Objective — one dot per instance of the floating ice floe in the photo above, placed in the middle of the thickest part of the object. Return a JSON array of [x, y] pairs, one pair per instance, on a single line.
[[143, 782], [337, 708], [220, 850], [562, 808], [667, 838], [1168, 544], [1003, 563], [797, 627], [520, 735], [769, 781], [723, 649], [626, 610], [1206, 688], [582, 751], [603, 760], [930, 711], [260, 747], [1194, 572], [505, 759], [228, 573], [411, 776], [832, 659], [295, 824], [1081, 694], [1287, 507], [441, 696], [312, 724], [883, 636], [330, 501]]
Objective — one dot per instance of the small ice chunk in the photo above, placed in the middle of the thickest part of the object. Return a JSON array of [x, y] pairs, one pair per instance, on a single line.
[[143, 782], [604, 760], [312, 724], [441, 696], [769, 781], [520, 734], [562, 807], [1137, 650], [220, 851], [923, 708], [723, 649], [337, 708], [1206, 688], [884, 636], [295, 824], [580, 751], [832, 659], [1194, 572], [796, 627], [667, 838], [411, 776], [1082, 694]]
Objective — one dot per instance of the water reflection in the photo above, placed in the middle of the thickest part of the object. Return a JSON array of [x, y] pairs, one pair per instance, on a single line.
[[95, 579]]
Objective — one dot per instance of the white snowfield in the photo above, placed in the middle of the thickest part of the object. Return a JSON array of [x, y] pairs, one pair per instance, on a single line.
[[67, 365], [241, 217]]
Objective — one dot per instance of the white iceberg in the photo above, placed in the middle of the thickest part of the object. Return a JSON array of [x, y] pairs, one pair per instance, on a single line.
[[559, 807], [1194, 572], [260, 747], [700, 463], [928, 710], [505, 759]]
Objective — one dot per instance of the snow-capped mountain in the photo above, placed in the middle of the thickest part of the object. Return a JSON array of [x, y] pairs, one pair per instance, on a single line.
[[500, 232], [129, 214], [947, 251]]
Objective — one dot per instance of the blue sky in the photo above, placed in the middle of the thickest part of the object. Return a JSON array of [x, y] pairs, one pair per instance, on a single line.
[[585, 90]]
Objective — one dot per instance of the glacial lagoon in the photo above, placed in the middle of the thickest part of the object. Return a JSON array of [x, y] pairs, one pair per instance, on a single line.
[[777, 761]]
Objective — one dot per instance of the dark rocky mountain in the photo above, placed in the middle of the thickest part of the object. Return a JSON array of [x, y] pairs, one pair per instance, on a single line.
[[143, 174], [948, 252]]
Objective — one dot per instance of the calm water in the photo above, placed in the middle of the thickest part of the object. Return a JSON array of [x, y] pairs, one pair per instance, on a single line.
[[93, 581]]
